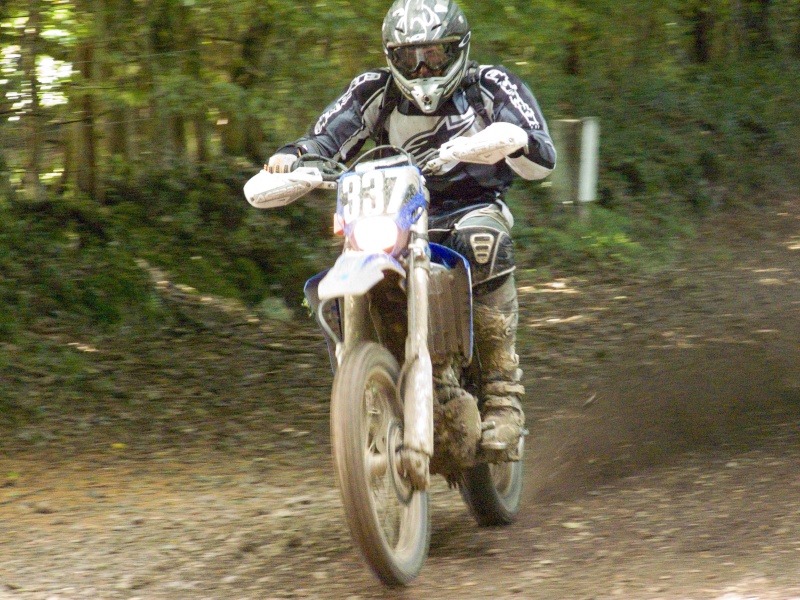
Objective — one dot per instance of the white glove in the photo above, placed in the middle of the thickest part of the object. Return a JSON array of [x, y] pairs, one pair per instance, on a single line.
[[268, 189], [487, 147], [281, 163]]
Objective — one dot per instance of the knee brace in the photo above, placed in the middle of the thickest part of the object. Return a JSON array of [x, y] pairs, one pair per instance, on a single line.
[[483, 238]]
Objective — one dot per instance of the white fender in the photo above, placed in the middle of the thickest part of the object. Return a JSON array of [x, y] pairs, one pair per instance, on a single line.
[[355, 273]]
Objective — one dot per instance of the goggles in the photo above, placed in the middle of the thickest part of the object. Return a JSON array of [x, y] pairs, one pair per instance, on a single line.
[[438, 57]]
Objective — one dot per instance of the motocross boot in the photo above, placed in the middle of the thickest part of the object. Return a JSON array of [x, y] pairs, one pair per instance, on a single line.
[[456, 423], [496, 314]]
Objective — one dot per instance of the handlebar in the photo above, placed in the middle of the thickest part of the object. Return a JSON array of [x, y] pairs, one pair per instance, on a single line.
[[311, 171], [331, 170]]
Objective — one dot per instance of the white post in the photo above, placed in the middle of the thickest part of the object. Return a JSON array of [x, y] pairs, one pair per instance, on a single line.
[[576, 176], [590, 157]]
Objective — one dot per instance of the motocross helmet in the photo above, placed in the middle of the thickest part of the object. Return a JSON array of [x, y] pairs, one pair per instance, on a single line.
[[426, 43]]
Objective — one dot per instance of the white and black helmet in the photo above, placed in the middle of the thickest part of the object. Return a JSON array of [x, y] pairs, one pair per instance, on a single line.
[[426, 43]]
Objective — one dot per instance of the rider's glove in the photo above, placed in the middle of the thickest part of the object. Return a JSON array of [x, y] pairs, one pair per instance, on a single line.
[[281, 163]]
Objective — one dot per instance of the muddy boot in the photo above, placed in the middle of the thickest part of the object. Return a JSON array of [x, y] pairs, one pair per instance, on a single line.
[[503, 421], [456, 424]]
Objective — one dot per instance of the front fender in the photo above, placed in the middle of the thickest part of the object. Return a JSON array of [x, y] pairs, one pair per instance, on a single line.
[[355, 273]]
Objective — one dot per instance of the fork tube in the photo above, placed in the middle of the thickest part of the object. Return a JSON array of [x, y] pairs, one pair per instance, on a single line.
[[356, 313], [418, 411]]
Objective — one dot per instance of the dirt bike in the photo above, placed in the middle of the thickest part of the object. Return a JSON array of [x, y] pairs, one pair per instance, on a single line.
[[392, 305]]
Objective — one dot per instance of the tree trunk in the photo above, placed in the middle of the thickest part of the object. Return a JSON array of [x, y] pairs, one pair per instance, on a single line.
[[85, 160], [108, 14], [68, 158], [242, 133], [703, 21], [6, 191], [118, 134], [201, 139], [572, 60], [796, 41], [178, 137], [231, 135], [757, 22], [253, 139], [30, 51]]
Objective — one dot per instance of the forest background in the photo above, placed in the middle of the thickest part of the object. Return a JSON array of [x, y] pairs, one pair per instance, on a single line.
[[128, 127]]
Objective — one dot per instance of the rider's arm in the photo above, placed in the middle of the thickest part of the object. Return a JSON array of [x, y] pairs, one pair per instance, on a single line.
[[511, 101], [347, 122]]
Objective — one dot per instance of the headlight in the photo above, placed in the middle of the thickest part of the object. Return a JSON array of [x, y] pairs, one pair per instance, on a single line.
[[375, 234]]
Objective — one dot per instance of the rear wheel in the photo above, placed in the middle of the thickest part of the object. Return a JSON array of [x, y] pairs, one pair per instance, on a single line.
[[389, 521], [493, 492]]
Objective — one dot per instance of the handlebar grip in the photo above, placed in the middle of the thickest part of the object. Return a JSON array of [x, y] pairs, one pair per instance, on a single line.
[[279, 168]]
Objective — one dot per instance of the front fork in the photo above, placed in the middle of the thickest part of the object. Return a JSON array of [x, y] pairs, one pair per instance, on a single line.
[[417, 382], [418, 389]]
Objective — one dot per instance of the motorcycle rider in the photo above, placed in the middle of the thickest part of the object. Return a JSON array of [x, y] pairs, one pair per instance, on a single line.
[[430, 94]]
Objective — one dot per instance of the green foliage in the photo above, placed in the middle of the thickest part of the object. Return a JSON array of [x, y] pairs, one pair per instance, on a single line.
[[198, 227], [696, 102], [603, 241], [71, 256], [57, 257]]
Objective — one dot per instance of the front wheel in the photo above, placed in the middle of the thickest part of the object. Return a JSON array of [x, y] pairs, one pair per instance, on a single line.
[[389, 521], [493, 492]]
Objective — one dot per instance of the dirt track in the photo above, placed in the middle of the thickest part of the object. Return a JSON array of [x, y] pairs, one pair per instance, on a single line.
[[664, 457]]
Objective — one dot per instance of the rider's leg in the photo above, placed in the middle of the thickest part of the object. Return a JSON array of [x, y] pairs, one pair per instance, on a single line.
[[495, 317], [483, 237]]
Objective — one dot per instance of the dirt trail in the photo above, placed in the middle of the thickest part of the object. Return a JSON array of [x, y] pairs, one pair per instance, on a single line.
[[664, 457]]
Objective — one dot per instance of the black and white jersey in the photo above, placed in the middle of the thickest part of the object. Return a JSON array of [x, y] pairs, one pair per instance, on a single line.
[[348, 122]]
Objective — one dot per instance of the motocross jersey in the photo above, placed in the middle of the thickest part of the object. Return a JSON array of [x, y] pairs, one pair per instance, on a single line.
[[349, 121]]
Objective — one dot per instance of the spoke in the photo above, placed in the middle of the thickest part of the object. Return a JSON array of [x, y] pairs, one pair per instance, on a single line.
[[389, 508]]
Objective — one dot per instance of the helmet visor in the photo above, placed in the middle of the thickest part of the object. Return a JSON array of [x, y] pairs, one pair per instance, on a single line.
[[437, 57]]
